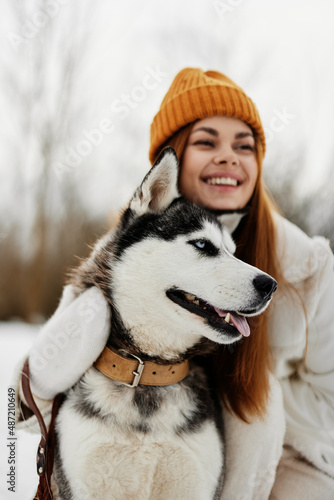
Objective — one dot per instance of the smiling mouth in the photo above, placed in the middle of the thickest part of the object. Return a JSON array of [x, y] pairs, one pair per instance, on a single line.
[[229, 322], [222, 181]]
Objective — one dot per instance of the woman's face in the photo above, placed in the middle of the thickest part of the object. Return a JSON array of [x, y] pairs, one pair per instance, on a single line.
[[219, 168]]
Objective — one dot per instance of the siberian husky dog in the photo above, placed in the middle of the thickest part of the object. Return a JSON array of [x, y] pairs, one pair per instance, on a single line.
[[175, 292]]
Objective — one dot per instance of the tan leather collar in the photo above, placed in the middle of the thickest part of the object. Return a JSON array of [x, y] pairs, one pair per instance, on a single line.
[[132, 372]]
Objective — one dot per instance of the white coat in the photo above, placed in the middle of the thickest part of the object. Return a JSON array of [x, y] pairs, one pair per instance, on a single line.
[[302, 340]]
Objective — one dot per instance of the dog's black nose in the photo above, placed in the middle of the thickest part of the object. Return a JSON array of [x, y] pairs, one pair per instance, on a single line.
[[265, 285]]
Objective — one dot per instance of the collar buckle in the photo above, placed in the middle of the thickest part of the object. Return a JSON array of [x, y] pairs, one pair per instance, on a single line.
[[119, 366], [137, 373]]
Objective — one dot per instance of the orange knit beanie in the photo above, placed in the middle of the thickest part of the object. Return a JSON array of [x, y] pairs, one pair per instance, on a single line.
[[194, 95]]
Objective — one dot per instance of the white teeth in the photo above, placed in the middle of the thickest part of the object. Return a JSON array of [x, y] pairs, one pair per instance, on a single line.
[[228, 318], [190, 297], [226, 181]]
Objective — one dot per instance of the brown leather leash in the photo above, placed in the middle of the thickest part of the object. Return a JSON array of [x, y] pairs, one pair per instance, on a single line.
[[46, 447]]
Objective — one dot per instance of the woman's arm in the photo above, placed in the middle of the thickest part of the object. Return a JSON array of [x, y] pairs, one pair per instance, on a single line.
[[66, 346], [309, 393]]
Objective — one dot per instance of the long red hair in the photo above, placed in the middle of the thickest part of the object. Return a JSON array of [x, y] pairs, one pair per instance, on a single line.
[[242, 373]]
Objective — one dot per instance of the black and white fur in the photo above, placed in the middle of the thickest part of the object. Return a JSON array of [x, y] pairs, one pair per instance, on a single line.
[[156, 443]]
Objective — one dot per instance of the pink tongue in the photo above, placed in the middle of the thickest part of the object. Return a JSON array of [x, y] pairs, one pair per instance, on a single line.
[[239, 322]]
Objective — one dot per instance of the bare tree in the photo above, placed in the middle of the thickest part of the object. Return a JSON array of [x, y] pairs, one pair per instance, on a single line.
[[47, 117]]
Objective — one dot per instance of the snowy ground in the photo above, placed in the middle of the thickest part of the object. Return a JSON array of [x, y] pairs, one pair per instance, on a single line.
[[15, 339]]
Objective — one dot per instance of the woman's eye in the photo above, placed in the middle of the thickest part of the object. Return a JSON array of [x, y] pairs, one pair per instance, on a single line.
[[246, 147], [204, 142]]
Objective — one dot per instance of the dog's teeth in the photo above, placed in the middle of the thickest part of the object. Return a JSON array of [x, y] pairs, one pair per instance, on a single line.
[[190, 296], [228, 318]]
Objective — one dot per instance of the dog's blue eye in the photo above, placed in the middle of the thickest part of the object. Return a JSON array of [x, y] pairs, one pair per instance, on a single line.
[[205, 247], [200, 244]]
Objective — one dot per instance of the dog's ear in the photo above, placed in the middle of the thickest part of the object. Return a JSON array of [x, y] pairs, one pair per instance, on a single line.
[[159, 187], [231, 220]]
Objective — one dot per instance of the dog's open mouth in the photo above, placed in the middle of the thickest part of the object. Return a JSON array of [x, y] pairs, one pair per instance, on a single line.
[[231, 321]]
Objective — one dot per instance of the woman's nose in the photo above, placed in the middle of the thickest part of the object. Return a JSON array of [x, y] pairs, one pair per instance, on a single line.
[[226, 156]]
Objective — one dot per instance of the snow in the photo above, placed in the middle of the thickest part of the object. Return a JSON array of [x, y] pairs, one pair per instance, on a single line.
[[15, 340]]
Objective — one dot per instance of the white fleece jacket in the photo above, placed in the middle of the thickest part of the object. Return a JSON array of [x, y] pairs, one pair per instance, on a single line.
[[302, 339]]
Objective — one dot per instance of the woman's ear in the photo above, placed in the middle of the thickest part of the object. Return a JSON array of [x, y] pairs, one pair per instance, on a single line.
[[159, 187]]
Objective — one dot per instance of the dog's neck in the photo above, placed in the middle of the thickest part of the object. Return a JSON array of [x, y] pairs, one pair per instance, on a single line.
[[132, 370], [121, 339]]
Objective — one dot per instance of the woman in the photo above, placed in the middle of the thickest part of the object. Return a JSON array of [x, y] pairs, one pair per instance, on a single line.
[[218, 136]]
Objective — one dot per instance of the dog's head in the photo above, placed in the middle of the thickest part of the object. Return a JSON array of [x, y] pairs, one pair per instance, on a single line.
[[173, 277]]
